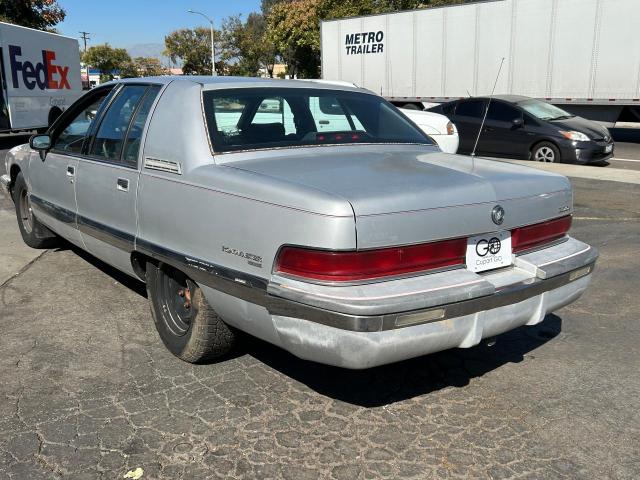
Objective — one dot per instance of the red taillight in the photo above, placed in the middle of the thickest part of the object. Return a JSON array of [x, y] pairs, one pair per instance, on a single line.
[[369, 264], [532, 236]]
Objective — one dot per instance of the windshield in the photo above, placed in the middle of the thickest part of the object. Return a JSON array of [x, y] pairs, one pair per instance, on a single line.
[[258, 118], [543, 110]]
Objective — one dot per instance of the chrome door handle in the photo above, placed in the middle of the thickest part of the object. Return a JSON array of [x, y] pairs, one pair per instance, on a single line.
[[71, 171], [122, 184]]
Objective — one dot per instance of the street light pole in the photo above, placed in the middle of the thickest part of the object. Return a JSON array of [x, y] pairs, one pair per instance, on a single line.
[[213, 48]]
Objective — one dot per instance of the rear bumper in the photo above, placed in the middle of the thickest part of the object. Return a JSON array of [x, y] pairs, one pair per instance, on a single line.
[[447, 143], [368, 325]]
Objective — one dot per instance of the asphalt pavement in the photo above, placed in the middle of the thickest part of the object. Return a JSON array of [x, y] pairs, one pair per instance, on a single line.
[[88, 390]]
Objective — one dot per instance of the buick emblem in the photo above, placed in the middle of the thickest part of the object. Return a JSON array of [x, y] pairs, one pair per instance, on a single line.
[[497, 215]]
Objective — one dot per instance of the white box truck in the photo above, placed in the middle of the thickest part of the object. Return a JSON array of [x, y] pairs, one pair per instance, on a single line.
[[39, 77], [582, 54]]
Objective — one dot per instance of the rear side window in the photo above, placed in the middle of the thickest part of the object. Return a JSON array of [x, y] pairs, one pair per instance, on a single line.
[[109, 140], [471, 108], [501, 112], [134, 136]]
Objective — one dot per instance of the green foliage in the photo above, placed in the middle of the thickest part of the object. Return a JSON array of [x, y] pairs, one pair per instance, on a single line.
[[40, 14], [193, 48], [245, 46], [106, 59], [142, 67]]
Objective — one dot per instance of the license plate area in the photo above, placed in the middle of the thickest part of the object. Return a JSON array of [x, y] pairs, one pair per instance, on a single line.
[[489, 251]]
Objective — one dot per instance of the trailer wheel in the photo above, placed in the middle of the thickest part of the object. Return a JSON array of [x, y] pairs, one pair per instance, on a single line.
[[546, 152], [411, 106]]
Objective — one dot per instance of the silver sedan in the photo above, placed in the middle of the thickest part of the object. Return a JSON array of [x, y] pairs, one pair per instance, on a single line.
[[311, 215]]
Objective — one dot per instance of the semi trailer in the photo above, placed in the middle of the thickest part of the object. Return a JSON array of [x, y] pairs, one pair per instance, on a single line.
[[39, 77], [581, 54]]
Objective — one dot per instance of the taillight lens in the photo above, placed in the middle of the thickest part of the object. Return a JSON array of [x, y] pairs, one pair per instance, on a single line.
[[531, 236], [370, 264], [450, 129]]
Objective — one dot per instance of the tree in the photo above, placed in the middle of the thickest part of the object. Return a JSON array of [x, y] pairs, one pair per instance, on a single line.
[[246, 47], [40, 14], [293, 29], [143, 67], [106, 59], [193, 48]]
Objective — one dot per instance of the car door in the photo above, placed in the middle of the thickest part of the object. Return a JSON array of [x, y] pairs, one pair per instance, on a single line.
[[52, 180], [107, 176], [504, 133], [468, 117]]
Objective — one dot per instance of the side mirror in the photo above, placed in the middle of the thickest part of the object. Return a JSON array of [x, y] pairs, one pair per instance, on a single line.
[[41, 143], [517, 122]]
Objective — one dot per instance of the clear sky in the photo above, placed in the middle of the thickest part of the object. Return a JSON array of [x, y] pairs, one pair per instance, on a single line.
[[124, 23]]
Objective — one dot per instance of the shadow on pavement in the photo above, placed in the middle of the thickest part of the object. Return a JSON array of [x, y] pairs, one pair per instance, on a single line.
[[404, 380], [380, 385]]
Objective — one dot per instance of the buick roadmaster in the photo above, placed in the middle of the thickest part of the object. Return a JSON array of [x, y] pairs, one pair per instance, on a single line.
[[314, 216]]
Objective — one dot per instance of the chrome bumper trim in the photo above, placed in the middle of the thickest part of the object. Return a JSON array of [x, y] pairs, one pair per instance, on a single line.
[[375, 323]]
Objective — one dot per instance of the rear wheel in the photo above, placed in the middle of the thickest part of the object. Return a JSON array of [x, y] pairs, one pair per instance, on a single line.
[[187, 324], [546, 152], [32, 231]]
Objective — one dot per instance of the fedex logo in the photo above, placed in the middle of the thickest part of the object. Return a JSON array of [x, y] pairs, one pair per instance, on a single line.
[[45, 74]]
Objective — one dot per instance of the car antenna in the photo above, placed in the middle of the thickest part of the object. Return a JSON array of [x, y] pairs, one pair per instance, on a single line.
[[473, 153]]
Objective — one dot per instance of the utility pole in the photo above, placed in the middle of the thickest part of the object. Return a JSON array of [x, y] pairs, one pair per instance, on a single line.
[[213, 48], [85, 36]]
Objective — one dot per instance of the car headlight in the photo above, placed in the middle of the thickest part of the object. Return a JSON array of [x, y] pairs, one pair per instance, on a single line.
[[572, 135], [450, 129]]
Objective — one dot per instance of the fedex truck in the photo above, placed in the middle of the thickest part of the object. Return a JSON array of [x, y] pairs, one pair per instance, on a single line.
[[39, 77], [581, 54]]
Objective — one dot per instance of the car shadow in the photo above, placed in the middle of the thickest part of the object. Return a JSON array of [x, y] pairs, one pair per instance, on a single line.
[[131, 283], [382, 385], [400, 381]]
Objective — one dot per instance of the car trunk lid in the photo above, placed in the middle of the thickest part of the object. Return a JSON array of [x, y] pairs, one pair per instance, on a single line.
[[410, 194]]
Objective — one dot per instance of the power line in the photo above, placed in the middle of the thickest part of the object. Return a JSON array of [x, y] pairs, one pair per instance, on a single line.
[[85, 36]]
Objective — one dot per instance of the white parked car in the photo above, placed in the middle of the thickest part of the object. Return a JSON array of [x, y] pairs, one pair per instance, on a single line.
[[437, 126]]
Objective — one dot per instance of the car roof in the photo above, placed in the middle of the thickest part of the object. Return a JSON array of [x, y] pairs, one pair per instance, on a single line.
[[504, 98], [223, 82]]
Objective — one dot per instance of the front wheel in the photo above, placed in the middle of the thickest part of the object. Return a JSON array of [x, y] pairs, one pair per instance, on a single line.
[[187, 324], [546, 152], [33, 233]]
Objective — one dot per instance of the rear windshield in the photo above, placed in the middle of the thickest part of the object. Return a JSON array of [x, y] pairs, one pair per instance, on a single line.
[[258, 118]]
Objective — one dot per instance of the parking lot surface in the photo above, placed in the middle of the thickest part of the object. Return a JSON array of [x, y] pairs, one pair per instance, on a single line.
[[89, 391]]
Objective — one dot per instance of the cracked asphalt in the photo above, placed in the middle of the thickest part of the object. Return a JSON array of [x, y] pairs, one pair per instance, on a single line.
[[87, 390]]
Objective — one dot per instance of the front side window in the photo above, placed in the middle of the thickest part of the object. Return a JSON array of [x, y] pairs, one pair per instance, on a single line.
[[72, 134], [109, 139], [501, 112], [257, 118]]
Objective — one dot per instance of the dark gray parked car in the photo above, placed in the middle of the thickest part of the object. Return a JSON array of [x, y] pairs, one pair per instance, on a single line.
[[523, 127]]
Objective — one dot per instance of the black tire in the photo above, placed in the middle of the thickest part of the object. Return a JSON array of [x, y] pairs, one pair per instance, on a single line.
[[546, 152], [411, 106], [34, 234], [193, 333]]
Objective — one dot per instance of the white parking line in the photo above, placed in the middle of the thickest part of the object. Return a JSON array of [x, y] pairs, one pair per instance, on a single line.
[[625, 160]]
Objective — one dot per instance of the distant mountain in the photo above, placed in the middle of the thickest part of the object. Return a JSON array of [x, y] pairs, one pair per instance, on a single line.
[[149, 50]]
